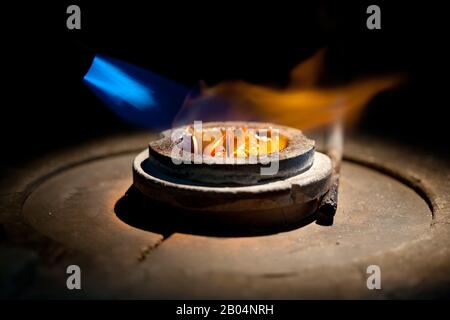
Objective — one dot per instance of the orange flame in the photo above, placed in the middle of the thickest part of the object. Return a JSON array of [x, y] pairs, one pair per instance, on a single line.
[[302, 104]]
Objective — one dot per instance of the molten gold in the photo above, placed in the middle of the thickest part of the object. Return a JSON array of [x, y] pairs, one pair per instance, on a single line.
[[235, 142]]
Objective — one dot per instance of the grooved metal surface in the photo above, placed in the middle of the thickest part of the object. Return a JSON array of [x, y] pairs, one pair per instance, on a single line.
[[70, 217]]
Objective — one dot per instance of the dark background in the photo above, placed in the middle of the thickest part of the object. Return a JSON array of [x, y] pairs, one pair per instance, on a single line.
[[47, 107]]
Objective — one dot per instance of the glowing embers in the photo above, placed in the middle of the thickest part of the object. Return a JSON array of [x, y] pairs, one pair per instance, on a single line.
[[231, 153], [231, 141]]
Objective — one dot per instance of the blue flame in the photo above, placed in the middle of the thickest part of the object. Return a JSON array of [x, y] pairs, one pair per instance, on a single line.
[[118, 85], [137, 95]]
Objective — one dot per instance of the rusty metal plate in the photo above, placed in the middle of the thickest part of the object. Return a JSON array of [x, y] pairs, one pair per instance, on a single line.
[[377, 216], [62, 209]]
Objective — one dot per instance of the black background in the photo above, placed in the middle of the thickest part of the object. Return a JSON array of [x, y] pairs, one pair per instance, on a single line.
[[47, 107]]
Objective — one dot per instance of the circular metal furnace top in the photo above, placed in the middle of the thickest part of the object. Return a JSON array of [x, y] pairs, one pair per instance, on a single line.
[[286, 201], [63, 208], [379, 221]]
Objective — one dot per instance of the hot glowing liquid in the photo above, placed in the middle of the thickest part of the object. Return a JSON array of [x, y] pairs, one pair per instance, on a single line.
[[235, 142]]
